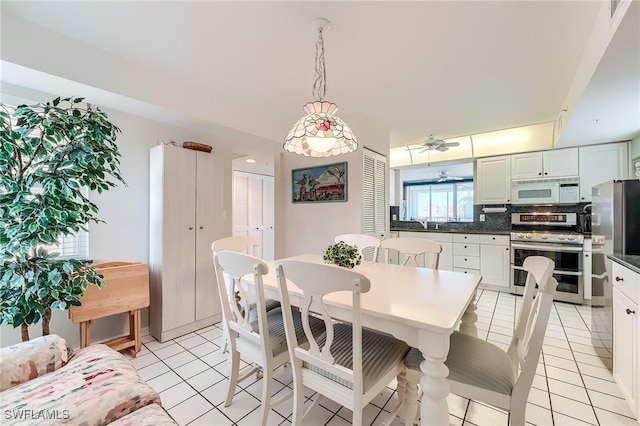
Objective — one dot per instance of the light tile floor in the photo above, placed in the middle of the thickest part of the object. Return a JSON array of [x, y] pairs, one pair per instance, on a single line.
[[572, 386]]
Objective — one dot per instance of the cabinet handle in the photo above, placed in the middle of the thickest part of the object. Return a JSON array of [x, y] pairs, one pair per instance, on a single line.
[[582, 198], [493, 238], [202, 227], [465, 259], [190, 228], [586, 255], [545, 173], [619, 279], [539, 173], [465, 246], [629, 311]]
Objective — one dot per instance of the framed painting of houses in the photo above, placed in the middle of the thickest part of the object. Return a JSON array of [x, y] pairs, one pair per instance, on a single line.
[[319, 184]]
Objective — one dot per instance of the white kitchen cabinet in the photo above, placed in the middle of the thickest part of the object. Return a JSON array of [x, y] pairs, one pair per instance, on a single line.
[[253, 210], [493, 180], [602, 163], [466, 253], [185, 218], [626, 334], [445, 262], [545, 164], [495, 258]]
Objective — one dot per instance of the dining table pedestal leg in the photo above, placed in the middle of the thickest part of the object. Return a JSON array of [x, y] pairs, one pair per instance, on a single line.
[[434, 409], [469, 319]]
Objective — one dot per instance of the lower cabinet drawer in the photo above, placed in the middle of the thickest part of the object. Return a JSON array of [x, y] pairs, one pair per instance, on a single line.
[[467, 271], [466, 262]]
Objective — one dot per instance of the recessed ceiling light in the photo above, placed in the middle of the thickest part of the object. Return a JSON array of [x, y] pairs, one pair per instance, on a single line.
[[250, 160]]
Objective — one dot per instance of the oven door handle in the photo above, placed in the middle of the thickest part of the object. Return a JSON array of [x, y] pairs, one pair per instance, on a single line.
[[547, 247], [577, 274]]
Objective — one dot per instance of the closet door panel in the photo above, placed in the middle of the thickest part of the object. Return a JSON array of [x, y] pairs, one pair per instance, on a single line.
[[207, 301], [178, 275]]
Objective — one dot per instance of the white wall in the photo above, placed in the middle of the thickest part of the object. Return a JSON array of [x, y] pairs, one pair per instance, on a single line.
[[125, 235], [311, 227]]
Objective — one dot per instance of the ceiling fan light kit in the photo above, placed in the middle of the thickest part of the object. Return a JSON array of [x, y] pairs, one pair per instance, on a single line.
[[320, 133]]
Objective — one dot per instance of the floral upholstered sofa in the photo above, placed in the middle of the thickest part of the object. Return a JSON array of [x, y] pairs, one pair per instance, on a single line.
[[43, 383]]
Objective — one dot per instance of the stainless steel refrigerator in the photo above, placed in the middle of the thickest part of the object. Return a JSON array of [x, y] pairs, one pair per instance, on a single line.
[[615, 229]]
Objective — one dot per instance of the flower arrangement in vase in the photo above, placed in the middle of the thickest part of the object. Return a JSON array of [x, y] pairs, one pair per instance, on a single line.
[[342, 254]]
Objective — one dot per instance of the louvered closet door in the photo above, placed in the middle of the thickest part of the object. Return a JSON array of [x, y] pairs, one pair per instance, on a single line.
[[374, 215], [369, 194], [380, 186], [178, 272]]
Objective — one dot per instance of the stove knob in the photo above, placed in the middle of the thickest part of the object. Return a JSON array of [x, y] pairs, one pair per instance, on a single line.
[[545, 237], [561, 237], [520, 236], [571, 238], [528, 236]]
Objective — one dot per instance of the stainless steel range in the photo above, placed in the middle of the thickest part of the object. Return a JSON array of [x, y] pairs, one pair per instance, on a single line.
[[551, 235]]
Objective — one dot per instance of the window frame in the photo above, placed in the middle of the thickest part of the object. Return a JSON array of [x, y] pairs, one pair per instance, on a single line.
[[431, 184]]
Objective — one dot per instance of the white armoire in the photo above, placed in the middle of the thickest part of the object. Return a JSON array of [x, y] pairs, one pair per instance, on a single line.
[[186, 216]]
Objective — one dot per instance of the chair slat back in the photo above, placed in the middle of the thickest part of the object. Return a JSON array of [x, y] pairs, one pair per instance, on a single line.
[[363, 242], [531, 322], [316, 281], [410, 248], [237, 295], [239, 243]]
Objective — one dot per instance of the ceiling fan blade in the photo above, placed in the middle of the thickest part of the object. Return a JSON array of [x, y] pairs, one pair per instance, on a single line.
[[450, 144]]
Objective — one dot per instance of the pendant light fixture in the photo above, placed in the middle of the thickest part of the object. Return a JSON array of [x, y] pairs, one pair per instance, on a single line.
[[320, 133]]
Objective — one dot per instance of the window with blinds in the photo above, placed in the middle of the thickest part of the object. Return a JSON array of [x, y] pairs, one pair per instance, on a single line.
[[374, 220], [74, 246]]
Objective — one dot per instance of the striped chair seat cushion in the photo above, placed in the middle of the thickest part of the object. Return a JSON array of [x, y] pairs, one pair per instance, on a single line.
[[269, 305], [278, 337], [475, 362], [379, 353]]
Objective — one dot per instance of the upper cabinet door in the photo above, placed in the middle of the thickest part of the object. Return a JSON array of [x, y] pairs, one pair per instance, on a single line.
[[560, 163], [545, 164], [527, 165], [493, 180], [602, 163]]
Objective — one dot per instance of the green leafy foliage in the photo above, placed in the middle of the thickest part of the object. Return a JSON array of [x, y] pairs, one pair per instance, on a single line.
[[342, 254], [49, 152]]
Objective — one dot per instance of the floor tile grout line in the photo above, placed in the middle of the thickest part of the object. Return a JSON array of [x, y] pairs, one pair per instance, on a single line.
[[595, 414]]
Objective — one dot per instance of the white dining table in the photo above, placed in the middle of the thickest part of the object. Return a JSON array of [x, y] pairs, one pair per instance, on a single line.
[[420, 306]]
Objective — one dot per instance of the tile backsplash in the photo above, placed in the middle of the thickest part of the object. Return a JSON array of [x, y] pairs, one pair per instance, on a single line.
[[498, 222]]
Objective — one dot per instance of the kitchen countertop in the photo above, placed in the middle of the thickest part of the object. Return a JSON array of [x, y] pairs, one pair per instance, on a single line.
[[454, 231], [628, 261]]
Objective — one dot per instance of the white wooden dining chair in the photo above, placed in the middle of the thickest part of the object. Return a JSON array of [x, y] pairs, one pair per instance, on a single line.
[[255, 335], [347, 364], [410, 248], [484, 372], [364, 242], [242, 244]]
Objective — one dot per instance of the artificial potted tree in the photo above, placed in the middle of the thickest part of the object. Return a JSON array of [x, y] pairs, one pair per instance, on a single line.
[[50, 154]]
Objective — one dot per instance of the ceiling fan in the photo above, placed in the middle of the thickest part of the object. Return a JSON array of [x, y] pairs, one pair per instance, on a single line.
[[444, 176], [434, 144]]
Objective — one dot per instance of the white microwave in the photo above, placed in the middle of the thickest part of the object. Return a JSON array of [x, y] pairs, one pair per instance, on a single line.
[[545, 191]]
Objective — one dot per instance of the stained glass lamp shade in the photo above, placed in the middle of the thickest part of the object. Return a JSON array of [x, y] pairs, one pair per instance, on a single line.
[[320, 133]]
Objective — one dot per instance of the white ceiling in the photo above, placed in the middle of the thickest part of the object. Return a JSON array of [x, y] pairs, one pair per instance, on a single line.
[[446, 67]]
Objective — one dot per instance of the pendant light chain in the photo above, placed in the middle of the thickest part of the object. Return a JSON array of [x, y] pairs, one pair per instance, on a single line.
[[320, 83]]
